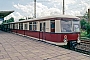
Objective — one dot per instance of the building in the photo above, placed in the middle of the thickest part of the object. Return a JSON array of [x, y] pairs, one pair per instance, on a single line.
[[4, 14]]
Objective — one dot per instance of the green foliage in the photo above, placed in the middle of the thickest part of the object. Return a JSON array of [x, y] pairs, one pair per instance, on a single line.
[[83, 24], [88, 35], [8, 21], [21, 19], [86, 15], [88, 28], [11, 19], [83, 33]]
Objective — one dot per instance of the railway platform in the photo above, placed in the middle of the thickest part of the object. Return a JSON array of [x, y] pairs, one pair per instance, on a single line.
[[15, 47]]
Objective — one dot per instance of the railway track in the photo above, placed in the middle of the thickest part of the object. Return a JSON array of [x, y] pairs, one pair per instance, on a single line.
[[83, 47]]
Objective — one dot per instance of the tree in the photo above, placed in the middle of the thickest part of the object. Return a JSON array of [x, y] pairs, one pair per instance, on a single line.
[[21, 19], [11, 19], [86, 15], [8, 21], [83, 24], [88, 30]]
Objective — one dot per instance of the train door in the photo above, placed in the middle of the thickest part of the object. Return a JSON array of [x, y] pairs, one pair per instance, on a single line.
[[52, 23], [42, 30]]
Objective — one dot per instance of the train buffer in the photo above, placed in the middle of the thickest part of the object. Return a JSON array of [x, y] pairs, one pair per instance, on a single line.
[[15, 47]]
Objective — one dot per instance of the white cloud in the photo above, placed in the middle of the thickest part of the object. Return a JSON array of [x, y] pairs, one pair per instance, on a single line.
[[61, 1], [41, 9], [72, 7], [16, 16]]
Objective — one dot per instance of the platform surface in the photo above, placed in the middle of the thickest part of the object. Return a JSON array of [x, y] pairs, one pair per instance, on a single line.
[[15, 47]]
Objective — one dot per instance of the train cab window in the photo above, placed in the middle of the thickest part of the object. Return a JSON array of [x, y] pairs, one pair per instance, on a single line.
[[52, 22], [76, 26], [66, 26]]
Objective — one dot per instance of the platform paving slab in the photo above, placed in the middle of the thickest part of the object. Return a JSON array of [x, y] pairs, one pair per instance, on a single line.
[[15, 47]]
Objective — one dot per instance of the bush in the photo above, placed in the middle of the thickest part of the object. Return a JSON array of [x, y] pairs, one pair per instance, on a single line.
[[88, 35], [83, 33], [83, 24]]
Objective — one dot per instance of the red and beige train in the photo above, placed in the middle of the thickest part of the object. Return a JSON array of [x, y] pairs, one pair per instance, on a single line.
[[59, 30]]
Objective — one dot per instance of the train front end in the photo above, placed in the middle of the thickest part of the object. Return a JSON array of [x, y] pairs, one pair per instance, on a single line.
[[70, 29]]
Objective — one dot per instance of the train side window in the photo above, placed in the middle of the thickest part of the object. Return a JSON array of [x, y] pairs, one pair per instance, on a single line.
[[40, 26], [30, 25], [34, 26], [52, 22], [25, 26], [13, 26], [44, 26], [17, 26], [21, 26], [34, 22]]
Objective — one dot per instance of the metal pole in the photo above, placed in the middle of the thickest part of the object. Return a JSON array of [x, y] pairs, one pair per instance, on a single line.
[[63, 8], [34, 8]]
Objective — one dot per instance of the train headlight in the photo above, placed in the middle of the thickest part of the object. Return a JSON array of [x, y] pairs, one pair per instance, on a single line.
[[78, 39], [65, 38]]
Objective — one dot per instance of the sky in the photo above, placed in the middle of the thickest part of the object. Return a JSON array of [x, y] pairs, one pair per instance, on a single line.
[[25, 8]]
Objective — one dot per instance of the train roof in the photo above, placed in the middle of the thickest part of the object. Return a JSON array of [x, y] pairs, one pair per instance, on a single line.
[[48, 17]]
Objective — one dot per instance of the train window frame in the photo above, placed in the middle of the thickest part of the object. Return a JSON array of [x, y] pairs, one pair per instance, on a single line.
[[25, 26], [44, 27], [16, 25], [21, 26], [75, 24], [63, 29], [40, 26], [34, 26], [52, 27], [30, 26], [13, 26]]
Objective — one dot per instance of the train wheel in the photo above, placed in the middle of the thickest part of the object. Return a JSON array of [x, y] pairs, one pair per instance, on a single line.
[[71, 45]]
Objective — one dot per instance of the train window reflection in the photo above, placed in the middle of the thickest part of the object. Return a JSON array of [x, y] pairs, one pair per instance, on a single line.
[[76, 27], [66, 26]]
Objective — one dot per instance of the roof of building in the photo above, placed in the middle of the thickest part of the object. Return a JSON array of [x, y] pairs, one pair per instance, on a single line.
[[5, 13]]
